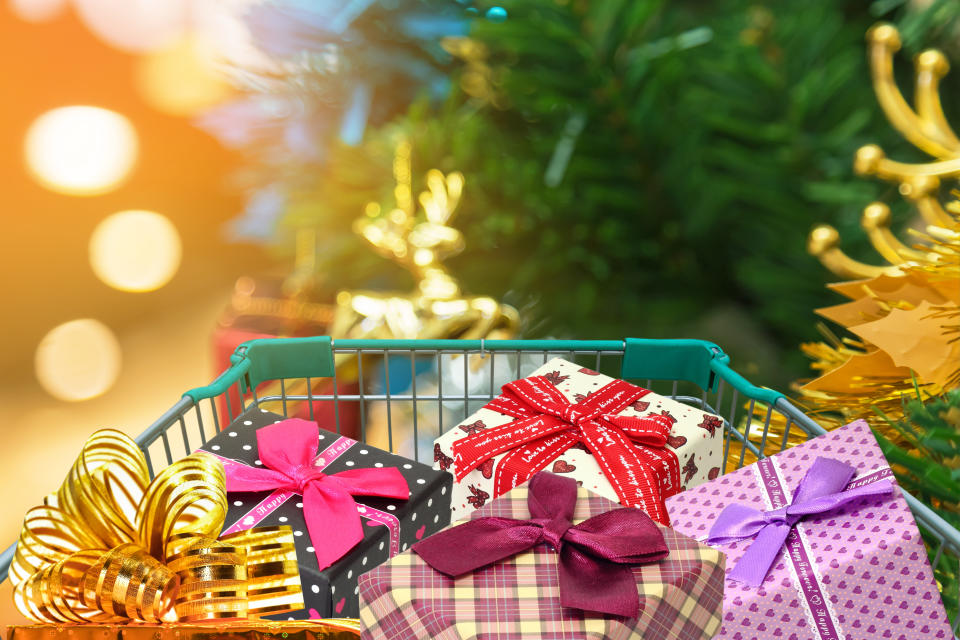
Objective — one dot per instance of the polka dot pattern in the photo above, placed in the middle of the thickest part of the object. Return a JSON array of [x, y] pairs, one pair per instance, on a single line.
[[868, 555], [331, 592]]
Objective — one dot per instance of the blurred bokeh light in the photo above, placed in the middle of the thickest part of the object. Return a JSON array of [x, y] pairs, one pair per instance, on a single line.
[[78, 360], [80, 150], [59, 393], [134, 26], [135, 250], [37, 10], [182, 78]]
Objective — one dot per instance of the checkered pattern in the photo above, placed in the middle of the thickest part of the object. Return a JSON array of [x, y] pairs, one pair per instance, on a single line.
[[519, 598]]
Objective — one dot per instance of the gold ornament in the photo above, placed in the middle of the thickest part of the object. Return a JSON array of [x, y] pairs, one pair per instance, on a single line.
[[477, 79], [337, 629], [112, 546], [420, 244], [905, 314]]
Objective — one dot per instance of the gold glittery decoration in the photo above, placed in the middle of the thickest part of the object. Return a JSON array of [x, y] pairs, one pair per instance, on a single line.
[[477, 79], [334, 629], [112, 546], [419, 243], [904, 316]]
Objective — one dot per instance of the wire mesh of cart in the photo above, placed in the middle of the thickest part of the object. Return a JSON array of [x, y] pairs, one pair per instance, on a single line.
[[400, 395]]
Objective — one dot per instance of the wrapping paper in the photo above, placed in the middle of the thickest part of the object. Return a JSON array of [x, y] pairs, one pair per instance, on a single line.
[[390, 526], [696, 439], [858, 573], [518, 598]]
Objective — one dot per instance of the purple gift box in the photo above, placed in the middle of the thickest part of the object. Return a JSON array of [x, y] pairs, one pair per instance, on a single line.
[[858, 571]]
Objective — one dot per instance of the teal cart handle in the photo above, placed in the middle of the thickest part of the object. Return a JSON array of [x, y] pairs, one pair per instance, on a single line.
[[222, 382], [698, 361], [741, 384], [688, 360], [263, 359]]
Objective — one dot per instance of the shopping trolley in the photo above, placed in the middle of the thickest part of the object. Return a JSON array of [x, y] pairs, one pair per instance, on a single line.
[[410, 391]]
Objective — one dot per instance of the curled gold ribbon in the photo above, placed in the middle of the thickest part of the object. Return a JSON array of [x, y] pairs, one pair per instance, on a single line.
[[112, 546]]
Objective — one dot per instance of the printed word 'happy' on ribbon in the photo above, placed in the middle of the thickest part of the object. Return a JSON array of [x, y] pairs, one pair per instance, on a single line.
[[288, 450]]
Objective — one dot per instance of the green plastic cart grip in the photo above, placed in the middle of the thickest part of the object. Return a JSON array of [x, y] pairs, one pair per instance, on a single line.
[[688, 360], [255, 361], [221, 383], [276, 358], [698, 361], [742, 385]]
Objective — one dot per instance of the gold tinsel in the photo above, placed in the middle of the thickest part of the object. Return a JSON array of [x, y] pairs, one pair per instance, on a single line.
[[903, 315], [113, 546], [901, 325]]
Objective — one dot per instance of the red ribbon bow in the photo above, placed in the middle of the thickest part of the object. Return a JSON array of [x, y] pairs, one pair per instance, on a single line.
[[288, 450], [631, 451], [595, 555]]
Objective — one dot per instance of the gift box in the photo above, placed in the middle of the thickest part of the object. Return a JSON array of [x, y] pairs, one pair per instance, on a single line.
[[385, 525], [547, 560], [820, 545], [265, 308], [619, 440]]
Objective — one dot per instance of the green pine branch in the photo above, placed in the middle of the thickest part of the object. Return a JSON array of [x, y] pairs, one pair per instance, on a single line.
[[927, 464]]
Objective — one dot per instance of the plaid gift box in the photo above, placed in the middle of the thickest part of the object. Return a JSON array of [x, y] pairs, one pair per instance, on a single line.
[[689, 451], [519, 597]]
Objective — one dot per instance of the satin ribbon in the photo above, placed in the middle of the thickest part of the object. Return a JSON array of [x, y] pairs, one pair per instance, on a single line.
[[112, 546], [820, 491], [287, 450], [631, 451], [595, 555]]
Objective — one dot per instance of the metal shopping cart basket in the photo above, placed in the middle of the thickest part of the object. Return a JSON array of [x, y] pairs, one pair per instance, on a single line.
[[437, 383]]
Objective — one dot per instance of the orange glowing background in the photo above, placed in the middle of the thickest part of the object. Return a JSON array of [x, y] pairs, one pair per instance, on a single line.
[[45, 266]]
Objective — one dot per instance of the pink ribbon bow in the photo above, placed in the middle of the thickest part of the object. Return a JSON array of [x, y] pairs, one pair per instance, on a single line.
[[287, 450]]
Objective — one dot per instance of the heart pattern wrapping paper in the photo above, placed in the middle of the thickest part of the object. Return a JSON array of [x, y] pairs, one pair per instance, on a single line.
[[868, 556]]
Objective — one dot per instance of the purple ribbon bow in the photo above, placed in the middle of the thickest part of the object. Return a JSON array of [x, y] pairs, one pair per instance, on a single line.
[[821, 490], [595, 555]]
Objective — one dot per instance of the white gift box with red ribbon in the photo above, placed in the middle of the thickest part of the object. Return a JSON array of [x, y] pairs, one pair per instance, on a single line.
[[620, 441]]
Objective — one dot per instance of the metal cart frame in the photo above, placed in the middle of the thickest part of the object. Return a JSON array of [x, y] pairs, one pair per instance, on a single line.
[[691, 371]]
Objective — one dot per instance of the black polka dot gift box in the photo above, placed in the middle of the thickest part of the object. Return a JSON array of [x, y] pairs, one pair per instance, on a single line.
[[351, 506]]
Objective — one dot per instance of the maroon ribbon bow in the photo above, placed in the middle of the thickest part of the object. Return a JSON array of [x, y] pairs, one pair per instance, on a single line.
[[631, 451], [595, 555], [288, 449]]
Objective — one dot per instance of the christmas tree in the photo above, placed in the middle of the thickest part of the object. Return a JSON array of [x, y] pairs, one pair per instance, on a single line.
[[642, 168]]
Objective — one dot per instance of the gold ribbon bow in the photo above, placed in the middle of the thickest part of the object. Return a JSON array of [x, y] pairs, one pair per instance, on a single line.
[[111, 546]]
